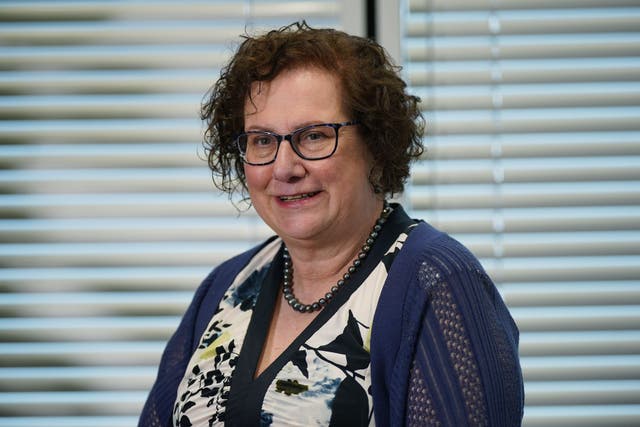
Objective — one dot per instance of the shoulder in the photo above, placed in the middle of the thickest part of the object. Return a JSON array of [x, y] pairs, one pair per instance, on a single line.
[[431, 261], [228, 269], [426, 263], [438, 270], [430, 257], [213, 287], [429, 249]]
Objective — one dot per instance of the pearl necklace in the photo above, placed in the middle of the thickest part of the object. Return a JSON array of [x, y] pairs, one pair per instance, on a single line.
[[287, 284]]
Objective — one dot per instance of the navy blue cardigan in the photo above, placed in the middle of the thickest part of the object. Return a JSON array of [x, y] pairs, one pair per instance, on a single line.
[[444, 348]]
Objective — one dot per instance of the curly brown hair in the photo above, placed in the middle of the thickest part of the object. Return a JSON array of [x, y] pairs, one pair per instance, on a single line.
[[391, 123]]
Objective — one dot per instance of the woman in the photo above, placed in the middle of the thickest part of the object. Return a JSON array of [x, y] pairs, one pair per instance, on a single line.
[[353, 314]]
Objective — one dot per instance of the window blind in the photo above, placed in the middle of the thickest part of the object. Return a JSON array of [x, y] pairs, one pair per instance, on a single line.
[[533, 161], [108, 218]]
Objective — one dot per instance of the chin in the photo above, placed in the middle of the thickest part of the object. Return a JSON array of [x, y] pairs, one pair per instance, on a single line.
[[300, 229]]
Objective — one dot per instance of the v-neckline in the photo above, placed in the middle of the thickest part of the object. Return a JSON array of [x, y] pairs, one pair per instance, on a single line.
[[247, 391]]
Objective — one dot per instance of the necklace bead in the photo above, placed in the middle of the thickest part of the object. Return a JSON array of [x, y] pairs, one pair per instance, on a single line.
[[287, 282]]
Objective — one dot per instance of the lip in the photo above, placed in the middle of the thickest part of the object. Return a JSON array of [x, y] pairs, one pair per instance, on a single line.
[[298, 196], [299, 199]]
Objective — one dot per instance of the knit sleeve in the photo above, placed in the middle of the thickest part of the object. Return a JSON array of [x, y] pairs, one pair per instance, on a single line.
[[158, 407], [464, 369]]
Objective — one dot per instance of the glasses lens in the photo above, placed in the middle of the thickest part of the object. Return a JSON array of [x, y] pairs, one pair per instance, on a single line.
[[258, 147], [316, 142]]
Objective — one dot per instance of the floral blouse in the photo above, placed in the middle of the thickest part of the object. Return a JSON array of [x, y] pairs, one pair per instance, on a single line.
[[322, 378]]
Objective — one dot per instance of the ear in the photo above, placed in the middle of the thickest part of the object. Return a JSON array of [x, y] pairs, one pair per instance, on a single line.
[[375, 179]]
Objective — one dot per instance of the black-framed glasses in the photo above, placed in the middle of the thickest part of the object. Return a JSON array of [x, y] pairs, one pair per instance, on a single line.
[[314, 142]]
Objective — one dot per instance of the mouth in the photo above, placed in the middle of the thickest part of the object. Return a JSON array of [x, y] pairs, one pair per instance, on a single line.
[[296, 197]]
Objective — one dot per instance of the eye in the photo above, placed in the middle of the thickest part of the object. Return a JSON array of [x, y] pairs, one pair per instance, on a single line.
[[261, 139], [315, 135]]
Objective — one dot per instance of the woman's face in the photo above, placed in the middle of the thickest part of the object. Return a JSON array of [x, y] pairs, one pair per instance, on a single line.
[[309, 200]]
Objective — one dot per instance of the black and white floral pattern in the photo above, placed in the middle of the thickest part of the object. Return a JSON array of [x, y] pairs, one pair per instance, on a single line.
[[325, 382]]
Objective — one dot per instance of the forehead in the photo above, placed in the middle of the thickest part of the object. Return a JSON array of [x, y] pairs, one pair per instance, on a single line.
[[295, 89]]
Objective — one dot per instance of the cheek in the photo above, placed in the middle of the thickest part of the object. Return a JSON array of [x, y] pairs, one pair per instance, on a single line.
[[349, 176], [253, 177], [362, 162]]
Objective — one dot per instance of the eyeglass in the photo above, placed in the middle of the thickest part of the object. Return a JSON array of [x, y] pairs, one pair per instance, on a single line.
[[314, 142]]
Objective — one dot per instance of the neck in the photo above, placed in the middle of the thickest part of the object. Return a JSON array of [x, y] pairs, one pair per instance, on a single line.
[[315, 285], [321, 260]]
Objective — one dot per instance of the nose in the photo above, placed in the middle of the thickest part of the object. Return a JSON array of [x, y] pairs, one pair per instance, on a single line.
[[288, 166]]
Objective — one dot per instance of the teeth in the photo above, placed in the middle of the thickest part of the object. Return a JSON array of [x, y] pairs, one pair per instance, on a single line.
[[297, 197]]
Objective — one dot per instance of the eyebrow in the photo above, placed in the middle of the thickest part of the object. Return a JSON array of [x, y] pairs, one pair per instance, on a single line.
[[299, 126]]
